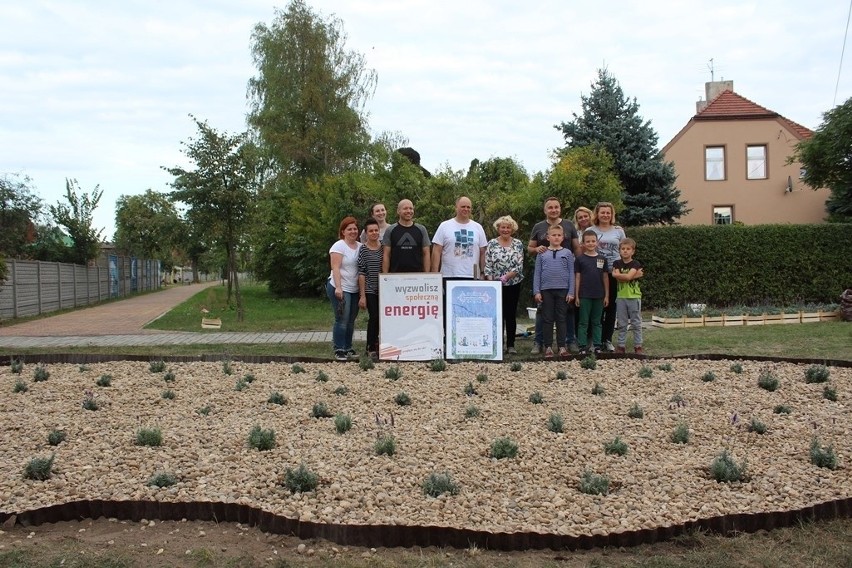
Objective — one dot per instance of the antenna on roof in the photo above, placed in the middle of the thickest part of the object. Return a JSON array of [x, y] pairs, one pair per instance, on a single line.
[[712, 72]]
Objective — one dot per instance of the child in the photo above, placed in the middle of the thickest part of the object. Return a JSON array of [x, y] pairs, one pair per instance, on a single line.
[[553, 286], [369, 266], [592, 288], [627, 271]]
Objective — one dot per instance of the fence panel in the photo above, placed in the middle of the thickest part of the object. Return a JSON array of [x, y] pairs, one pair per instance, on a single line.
[[33, 287]]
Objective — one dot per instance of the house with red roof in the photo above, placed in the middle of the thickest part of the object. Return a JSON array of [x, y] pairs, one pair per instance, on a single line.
[[731, 164]]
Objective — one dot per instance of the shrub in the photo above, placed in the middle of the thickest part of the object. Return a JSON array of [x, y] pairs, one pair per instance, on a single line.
[[516, 366], [366, 363], [768, 381], [680, 434], [817, 374], [437, 365], [39, 469], [503, 448], [829, 393], [227, 368], [168, 394], [162, 479], [589, 363], [481, 377], [56, 437], [40, 374], [536, 398], [104, 381], [822, 456], [439, 483], [471, 412], [385, 445], [470, 390], [240, 385], [320, 410], [598, 389], [276, 398], [736, 368], [261, 439], [149, 437], [321, 377], [725, 469], [782, 409], [665, 367], [83, 368], [296, 369], [249, 378], [402, 399], [677, 401], [20, 386], [555, 423], [169, 377], [157, 366], [341, 390], [204, 410], [756, 426], [594, 484], [616, 446], [645, 372], [636, 411], [561, 376], [708, 377], [300, 480], [342, 423], [89, 402], [16, 366], [393, 373]]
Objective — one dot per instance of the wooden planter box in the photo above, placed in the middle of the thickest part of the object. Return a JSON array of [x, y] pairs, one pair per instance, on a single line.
[[693, 322], [772, 319], [714, 321], [793, 317], [829, 316], [754, 320], [733, 320], [809, 317]]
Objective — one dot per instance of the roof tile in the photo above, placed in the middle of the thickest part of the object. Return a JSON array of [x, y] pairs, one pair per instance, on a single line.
[[730, 106]]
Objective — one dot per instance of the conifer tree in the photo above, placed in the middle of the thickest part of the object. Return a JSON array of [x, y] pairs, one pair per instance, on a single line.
[[612, 121]]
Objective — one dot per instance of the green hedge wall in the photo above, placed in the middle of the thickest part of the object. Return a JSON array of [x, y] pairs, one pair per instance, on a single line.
[[779, 265]]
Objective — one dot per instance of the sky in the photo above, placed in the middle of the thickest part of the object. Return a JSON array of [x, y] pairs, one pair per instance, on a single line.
[[101, 91]]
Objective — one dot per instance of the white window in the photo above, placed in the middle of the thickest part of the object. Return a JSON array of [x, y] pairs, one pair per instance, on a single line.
[[714, 163], [756, 162], [723, 215]]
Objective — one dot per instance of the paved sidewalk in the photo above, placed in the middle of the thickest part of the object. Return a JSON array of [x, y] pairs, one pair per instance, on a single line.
[[121, 323]]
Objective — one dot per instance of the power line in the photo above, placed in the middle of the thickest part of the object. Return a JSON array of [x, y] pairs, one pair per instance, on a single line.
[[842, 51]]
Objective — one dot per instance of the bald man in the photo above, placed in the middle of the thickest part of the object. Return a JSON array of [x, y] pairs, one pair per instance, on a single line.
[[406, 243], [459, 244]]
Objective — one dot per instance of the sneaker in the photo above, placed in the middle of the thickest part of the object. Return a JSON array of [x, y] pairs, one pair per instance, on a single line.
[[340, 356], [638, 349], [563, 352], [597, 350], [536, 349], [608, 346], [512, 351], [621, 350], [373, 355], [573, 347], [548, 353]]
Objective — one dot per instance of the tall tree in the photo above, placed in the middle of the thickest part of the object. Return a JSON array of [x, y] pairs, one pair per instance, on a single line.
[[20, 209], [611, 120], [76, 218], [826, 158], [584, 176], [147, 226], [307, 100], [219, 191]]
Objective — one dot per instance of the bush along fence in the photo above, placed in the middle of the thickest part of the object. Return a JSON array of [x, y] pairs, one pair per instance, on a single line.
[[33, 287]]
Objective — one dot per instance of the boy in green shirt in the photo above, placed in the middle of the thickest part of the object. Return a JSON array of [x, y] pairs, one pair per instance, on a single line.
[[628, 301]]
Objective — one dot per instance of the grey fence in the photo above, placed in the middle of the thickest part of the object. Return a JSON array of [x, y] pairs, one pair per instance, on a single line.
[[33, 287]]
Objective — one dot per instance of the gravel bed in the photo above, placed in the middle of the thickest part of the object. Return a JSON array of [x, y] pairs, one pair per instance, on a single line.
[[657, 483]]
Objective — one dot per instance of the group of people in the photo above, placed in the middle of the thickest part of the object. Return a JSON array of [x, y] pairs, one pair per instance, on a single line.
[[585, 279]]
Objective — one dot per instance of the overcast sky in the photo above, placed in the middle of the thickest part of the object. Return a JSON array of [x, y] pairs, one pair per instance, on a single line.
[[101, 90]]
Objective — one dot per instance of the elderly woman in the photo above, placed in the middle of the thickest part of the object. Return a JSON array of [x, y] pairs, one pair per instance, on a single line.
[[609, 238], [342, 288], [504, 261]]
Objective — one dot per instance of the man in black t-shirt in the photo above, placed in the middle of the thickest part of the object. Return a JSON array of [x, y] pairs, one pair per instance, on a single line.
[[406, 243]]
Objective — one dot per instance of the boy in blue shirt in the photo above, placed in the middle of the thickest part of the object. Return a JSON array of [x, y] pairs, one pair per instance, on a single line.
[[553, 286], [592, 286]]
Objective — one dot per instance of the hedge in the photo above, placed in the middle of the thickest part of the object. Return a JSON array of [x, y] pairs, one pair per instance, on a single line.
[[780, 265]]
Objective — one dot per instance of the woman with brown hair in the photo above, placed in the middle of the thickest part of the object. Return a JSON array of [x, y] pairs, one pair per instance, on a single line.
[[609, 237], [342, 288]]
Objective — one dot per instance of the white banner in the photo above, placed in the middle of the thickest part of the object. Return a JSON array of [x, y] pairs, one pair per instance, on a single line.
[[410, 317], [474, 320]]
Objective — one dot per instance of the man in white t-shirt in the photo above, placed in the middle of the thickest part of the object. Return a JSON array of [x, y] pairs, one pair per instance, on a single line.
[[458, 246]]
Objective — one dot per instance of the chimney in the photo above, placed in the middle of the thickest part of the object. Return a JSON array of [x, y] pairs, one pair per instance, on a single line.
[[713, 89]]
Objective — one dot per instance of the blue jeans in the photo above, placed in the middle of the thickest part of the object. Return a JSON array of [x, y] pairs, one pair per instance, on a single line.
[[570, 335], [345, 312]]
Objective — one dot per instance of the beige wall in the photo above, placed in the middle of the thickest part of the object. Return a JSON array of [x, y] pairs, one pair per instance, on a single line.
[[753, 201]]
